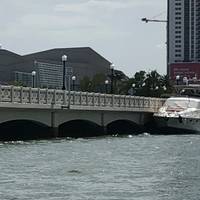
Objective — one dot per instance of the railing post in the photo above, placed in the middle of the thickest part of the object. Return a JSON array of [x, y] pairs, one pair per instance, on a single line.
[[69, 95], [148, 105], [93, 99], [64, 97], [47, 92], [12, 94], [129, 102], [119, 100], [38, 95], [143, 102], [54, 96], [113, 99], [99, 100], [30, 95], [80, 98], [86, 98], [105, 100], [21, 94], [74, 95], [125, 101]]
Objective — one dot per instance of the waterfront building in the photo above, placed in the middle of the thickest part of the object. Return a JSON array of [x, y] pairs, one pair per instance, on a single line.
[[184, 38]]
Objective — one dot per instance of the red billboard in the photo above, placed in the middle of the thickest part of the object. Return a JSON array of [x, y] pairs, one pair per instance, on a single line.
[[189, 70]]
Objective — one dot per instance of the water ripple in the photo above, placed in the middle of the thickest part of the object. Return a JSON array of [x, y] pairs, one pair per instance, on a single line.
[[143, 167]]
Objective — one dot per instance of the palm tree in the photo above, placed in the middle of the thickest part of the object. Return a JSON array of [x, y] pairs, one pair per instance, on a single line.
[[153, 84]]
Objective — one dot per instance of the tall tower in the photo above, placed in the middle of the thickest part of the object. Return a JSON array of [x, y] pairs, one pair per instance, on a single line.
[[184, 37]]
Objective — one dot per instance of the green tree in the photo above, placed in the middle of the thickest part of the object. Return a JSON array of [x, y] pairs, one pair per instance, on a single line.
[[150, 84], [153, 84], [98, 82], [85, 84]]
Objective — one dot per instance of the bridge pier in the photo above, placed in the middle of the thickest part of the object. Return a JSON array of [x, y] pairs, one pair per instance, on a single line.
[[54, 128], [54, 131]]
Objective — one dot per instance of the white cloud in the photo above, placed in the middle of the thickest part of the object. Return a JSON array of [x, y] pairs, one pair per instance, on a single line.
[[86, 6]]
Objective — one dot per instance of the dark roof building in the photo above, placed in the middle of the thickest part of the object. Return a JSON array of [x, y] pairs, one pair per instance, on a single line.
[[84, 61]]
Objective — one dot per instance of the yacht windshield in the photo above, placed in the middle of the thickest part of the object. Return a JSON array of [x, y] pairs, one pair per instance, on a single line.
[[182, 103]]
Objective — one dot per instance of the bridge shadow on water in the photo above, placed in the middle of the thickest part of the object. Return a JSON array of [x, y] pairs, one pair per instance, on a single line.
[[33, 130], [24, 130], [80, 128], [124, 127], [84, 128]]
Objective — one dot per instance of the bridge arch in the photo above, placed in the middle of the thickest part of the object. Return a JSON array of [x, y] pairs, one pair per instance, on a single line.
[[22, 129], [123, 127], [80, 128]]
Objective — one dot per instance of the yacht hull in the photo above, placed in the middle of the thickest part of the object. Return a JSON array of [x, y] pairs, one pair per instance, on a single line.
[[177, 125]]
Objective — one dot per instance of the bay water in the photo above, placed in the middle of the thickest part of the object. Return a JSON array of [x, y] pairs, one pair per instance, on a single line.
[[143, 167]]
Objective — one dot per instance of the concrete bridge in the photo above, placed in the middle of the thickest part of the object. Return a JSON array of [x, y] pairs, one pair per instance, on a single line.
[[29, 113]]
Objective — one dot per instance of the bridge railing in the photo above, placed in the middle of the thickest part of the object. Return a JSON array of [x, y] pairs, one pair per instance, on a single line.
[[26, 95]]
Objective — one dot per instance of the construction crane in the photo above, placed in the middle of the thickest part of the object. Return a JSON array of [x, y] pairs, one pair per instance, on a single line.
[[162, 21], [152, 20]]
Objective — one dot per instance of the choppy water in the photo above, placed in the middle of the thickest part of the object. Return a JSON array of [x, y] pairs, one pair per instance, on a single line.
[[112, 168]]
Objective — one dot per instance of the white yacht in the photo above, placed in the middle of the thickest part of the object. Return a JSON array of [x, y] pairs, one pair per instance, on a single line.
[[179, 115]]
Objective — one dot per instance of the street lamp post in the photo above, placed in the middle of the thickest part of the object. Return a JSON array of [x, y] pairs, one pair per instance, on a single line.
[[64, 59], [33, 73], [133, 89], [73, 82], [177, 79], [111, 78], [106, 85]]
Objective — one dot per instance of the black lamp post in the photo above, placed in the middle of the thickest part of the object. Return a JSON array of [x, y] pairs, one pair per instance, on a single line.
[[33, 74], [177, 79], [106, 86], [64, 59], [73, 82], [133, 89], [111, 78]]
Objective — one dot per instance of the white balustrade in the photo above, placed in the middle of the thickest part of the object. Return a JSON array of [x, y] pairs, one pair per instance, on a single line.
[[25, 95]]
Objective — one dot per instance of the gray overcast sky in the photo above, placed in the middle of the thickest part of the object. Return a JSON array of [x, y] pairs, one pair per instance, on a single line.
[[113, 28]]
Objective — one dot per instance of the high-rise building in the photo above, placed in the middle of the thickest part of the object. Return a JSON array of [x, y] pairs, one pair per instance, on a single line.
[[184, 38]]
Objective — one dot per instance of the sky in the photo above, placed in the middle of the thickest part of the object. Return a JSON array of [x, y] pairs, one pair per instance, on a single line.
[[113, 28]]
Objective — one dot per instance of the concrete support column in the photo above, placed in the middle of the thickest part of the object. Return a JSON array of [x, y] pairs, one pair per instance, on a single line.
[[54, 128], [103, 123]]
